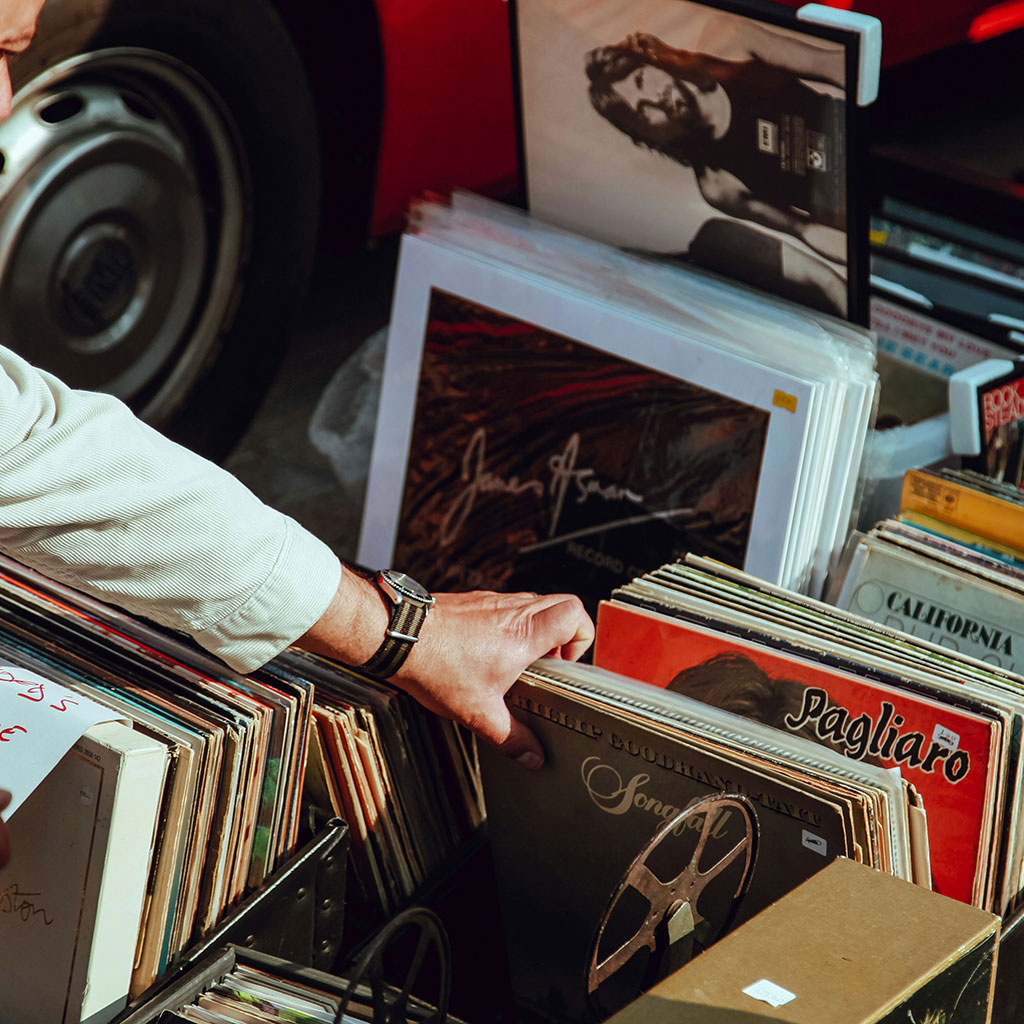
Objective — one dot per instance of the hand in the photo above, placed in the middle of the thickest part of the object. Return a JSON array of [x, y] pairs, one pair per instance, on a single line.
[[472, 648], [5, 841]]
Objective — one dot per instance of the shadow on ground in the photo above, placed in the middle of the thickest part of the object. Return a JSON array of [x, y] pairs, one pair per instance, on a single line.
[[348, 302]]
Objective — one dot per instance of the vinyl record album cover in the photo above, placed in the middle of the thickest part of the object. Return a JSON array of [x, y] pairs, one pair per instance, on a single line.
[[947, 752], [723, 134], [651, 830], [540, 463], [532, 438], [793, 646]]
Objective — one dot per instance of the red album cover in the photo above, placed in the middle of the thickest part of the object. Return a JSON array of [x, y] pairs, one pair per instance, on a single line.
[[944, 751], [1001, 418]]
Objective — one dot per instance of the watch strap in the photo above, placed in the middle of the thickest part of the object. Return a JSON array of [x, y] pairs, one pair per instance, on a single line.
[[407, 618]]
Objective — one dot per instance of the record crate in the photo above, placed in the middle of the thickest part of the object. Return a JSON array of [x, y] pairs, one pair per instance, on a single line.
[[297, 916], [365, 984]]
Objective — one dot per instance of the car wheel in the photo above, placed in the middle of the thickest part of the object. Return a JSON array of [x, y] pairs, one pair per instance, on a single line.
[[158, 206]]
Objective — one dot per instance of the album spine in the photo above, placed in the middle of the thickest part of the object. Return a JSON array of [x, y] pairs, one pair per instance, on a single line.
[[985, 515]]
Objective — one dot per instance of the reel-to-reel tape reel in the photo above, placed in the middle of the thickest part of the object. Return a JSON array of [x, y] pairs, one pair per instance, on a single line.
[[667, 910]]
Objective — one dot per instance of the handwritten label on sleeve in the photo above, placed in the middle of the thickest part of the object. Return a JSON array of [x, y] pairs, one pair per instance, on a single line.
[[40, 720]]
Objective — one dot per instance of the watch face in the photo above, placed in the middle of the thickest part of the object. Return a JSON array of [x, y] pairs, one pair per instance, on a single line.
[[406, 585]]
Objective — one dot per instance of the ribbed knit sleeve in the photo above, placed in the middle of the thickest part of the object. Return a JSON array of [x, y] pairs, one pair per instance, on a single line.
[[92, 497]]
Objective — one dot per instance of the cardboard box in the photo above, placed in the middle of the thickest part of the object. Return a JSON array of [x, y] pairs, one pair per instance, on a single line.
[[851, 945]]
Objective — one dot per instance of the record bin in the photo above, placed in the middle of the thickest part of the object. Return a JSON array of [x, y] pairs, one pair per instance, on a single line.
[[297, 916], [365, 981]]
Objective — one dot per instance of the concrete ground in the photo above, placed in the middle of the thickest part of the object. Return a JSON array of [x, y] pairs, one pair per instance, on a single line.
[[348, 302]]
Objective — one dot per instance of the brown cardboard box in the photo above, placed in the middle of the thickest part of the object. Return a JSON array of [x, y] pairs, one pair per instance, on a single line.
[[851, 945]]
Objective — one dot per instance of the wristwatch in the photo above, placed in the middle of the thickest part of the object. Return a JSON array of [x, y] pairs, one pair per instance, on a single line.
[[409, 603]]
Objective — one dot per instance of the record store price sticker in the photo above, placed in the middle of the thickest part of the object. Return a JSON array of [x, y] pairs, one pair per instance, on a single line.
[[946, 738], [768, 992], [40, 721]]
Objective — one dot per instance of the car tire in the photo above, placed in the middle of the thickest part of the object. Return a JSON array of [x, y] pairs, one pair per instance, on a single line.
[[159, 201]]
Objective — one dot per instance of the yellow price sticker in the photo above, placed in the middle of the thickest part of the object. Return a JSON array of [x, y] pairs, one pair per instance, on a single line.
[[784, 401]]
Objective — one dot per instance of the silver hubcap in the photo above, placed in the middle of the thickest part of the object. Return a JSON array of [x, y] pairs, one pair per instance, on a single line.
[[121, 225]]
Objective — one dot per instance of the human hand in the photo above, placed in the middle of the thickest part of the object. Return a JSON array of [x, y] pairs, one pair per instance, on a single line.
[[471, 649], [474, 646], [5, 841]]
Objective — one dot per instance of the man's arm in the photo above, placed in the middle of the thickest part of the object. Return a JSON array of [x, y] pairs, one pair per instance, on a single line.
[[92, 497], [471, 650]]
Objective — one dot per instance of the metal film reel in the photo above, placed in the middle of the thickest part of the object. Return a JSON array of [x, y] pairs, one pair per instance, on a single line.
[[674, 921]]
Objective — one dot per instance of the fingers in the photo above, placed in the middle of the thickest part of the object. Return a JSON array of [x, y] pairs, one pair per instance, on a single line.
[[520, 743], [562, 628], [473, 648]]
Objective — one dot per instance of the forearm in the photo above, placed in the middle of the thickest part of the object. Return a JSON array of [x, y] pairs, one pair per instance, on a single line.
[[94, 498], [353, 624], [471, 649]]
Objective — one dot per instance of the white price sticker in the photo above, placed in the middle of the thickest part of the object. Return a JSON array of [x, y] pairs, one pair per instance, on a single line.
[[768, 992], [946, 738], [816, 843]]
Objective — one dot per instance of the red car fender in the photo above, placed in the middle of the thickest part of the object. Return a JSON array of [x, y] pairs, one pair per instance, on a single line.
[[448, 106]]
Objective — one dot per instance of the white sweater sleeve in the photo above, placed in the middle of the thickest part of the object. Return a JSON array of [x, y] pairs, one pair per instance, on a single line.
[[92, 497]]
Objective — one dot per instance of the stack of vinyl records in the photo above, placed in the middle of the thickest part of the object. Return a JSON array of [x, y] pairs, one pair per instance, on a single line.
[[218, 812], [760, 734], [406, 781], [556, 414], [971, 508], [151, 828], [949, 723], [254, 994], [236, 984], [947, 593], [656, 824]]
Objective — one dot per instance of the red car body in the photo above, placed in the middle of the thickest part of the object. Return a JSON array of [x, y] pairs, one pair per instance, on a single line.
[[448, 101], [448, 108]]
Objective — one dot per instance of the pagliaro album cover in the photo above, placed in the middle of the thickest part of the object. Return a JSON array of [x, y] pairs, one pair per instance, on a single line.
[[727, 134], [532, 439]]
